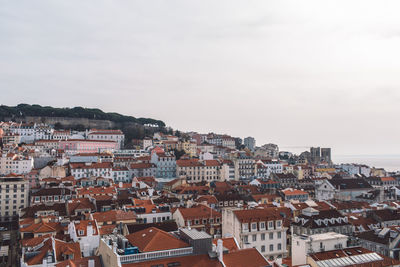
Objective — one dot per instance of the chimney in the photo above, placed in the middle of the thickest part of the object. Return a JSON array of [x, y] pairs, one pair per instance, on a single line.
[[220, 251], [114, 246], [91, 263]]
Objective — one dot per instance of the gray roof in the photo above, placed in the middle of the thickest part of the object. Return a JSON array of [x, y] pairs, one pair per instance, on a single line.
[[195, 234]]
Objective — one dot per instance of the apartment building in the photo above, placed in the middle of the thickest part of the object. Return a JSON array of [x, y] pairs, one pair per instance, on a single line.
[[304, 245], [244, 166], [15, 163], [80, 170], [262, 229], [107, 135], [75, 146], [14, 191], [313, 221], [195, 170], [165, 163]]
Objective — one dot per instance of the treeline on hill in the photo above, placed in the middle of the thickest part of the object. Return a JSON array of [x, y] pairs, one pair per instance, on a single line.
[[132, 127], [23, 110]]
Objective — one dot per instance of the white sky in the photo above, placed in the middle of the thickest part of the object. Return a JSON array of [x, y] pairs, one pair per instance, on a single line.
[[295, 73]]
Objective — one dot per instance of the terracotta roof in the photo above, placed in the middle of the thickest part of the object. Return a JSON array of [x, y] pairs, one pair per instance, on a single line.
[[188, 163], [154, 239], [107, 229], [228, 243], [32, 242], [114, 215], [41, 227], [185, 261], [207, 198], [254, 215], [38, 259], [82, 226], [245, 258], [199, 211], [387, 179], [63, 248], [102, 165], [97, 191], [141, 202], [293, 192], [79, 204]]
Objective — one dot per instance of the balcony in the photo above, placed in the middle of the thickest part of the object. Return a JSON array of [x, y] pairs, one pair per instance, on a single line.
[[155, 255]]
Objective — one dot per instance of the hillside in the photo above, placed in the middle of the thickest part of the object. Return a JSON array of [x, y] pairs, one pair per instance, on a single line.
[[25, 110], [80, 118]]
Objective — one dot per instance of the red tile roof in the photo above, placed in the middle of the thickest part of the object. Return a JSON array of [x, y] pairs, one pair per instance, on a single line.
[[245, 258], [154, 239], [254, 215], [228, 243], [185, 261], [199, 211], [114, 215]]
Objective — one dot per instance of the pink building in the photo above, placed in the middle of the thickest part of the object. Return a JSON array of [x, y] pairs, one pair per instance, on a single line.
[[74, 146]]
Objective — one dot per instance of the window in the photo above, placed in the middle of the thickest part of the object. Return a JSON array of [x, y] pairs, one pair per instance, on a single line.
[[279, 246], [262, 225], [279, 235], [262, 236], [245, 239], [271, 247], [271, 236], [270, 225], [262, 248], [254, 238], [278, 223], [254, 226]]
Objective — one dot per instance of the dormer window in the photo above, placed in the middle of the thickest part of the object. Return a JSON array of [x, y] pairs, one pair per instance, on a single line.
[[81, 232], [254, 226], [270, 225]]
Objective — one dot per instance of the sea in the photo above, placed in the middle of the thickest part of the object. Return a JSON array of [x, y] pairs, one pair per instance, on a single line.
[[388, 162]]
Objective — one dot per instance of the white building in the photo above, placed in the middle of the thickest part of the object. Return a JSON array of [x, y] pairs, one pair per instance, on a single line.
[[304, 245], [87, 234], [31, 132], [80, 170], [147, 142], [257, 228], [14, 163]]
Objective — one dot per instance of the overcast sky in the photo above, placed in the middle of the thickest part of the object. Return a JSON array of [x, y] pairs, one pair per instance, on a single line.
[[295, 73]]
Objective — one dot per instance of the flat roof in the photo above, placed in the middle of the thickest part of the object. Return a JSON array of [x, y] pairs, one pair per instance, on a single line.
[[195, 234], [325, 236]]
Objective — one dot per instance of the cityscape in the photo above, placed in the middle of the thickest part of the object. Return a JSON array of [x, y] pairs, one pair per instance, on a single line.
[[213, 133], [91, 197]]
